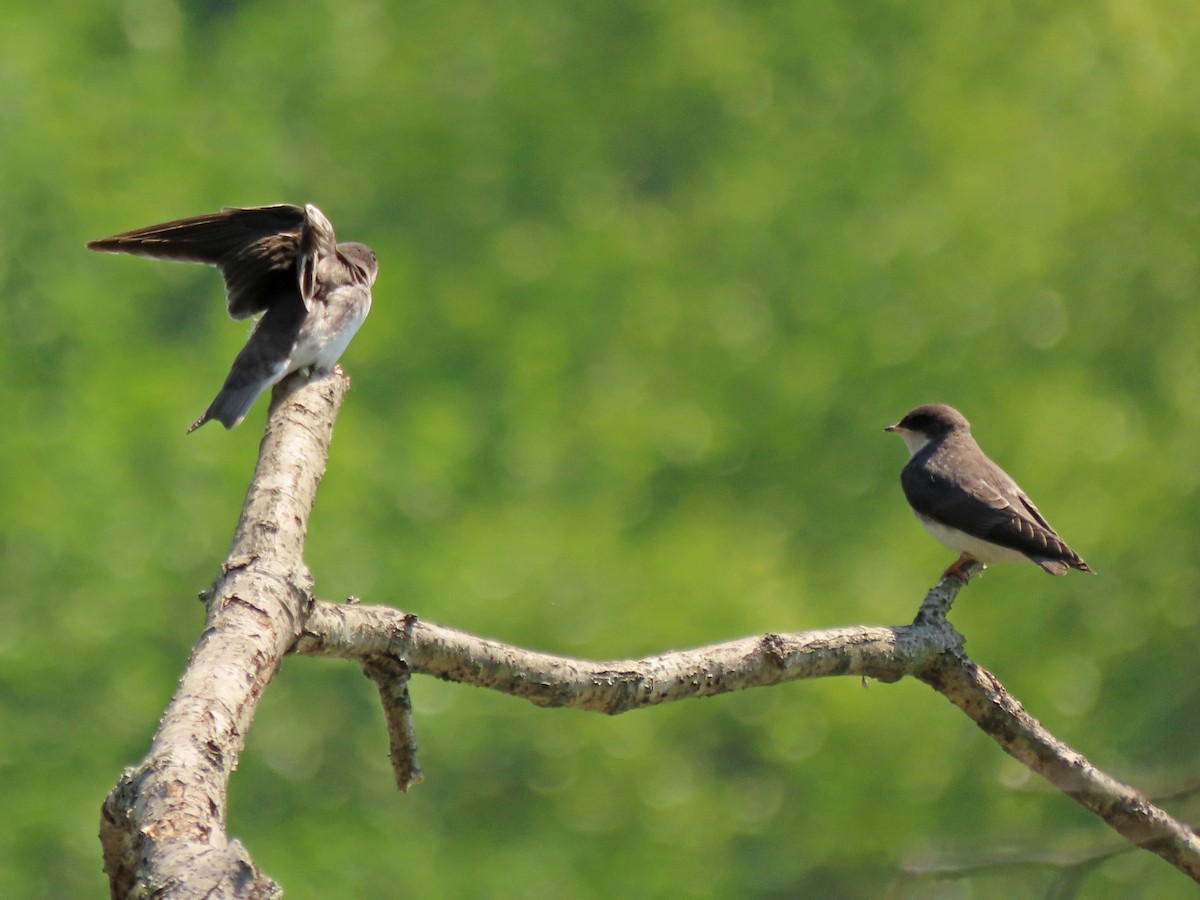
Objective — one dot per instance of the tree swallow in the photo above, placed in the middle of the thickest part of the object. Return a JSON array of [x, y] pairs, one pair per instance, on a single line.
[[968, 502], [281, 261]]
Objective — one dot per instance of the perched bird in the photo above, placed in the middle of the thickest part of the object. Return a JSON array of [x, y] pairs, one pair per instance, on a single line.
[[281, 261], [968, 502]]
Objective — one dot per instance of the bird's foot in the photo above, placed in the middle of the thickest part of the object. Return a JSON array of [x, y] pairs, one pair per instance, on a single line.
[[315, 371], [956, 568]]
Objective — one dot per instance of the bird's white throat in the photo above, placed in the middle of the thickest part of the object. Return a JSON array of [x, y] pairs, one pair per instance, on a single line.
[[913, 440]]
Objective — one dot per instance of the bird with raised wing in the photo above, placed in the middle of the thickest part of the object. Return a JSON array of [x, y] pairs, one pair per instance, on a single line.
[[968, 502], [283, 262]]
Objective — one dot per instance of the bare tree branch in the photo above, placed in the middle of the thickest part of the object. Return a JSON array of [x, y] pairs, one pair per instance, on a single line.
[[163, 826], [391, 677], [929, 649], [361, 632], [981, 696]]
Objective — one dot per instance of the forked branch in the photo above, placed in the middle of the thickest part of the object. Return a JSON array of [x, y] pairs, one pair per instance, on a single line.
[[929, 649], [163, 825]]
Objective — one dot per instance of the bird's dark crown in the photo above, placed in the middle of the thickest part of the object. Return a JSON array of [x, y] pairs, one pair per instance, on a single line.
[[934, 419]]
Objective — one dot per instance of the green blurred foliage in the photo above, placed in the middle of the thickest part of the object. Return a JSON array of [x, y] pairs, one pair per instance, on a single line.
[[652, 278]]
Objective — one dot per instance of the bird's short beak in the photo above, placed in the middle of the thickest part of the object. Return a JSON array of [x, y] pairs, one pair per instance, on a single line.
[[895, 427]]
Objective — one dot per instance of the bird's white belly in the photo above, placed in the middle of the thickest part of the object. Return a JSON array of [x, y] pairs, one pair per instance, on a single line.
[[320, 344], [961, 542], [327, 353]]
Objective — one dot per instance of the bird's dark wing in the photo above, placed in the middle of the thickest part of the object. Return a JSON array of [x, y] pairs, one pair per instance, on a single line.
[[255, 249], [260, 364], [986, 503]]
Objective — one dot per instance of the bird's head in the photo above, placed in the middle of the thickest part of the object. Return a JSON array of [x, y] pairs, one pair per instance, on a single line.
[[930, 422], [362, 258]]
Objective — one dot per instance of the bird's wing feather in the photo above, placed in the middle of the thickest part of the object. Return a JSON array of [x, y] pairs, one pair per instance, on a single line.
[[986, 504], [317, 245], [266, 358], [255, 249]]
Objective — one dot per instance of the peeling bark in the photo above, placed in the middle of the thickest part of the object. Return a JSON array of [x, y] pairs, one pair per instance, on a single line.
[[162, 827], [929, 649]]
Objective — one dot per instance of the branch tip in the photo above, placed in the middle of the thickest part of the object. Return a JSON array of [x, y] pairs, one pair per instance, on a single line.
[[391, 675]]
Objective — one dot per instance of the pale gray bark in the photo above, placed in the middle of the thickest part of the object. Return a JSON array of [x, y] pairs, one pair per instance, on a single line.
[[163, 825], [929, 650]]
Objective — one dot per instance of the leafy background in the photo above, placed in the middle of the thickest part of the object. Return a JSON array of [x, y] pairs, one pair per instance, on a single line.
[[652, 278]]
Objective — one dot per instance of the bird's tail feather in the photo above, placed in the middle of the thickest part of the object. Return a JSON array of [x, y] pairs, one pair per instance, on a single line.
[[230, 405], [1063, 566]]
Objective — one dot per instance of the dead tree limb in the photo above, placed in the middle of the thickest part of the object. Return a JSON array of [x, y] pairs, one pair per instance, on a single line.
[[163, 825], [929, 649]]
